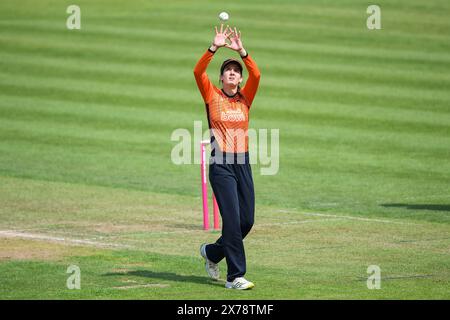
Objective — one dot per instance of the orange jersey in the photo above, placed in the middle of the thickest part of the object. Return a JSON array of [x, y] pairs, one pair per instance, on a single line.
[[228, 117]]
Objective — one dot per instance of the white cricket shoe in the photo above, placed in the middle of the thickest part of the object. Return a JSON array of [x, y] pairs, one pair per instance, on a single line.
[[211, 268], [239, 284]]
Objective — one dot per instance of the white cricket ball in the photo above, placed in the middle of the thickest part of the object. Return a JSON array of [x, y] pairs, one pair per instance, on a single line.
[[224, 16]]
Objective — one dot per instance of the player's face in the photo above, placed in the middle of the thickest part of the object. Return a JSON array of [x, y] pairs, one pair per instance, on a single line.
[[231, 75]]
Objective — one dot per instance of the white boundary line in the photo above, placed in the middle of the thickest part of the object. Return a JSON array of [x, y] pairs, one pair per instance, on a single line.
[[23, 235], [347, 217], [292, 222]]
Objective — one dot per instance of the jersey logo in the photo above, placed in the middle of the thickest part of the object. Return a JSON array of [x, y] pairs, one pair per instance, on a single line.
[[232, 115]]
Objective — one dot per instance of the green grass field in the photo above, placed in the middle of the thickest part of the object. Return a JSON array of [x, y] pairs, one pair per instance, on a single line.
[[86, 176]]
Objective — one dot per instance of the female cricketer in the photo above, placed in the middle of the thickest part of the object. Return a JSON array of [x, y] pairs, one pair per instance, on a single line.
[[230, 173]]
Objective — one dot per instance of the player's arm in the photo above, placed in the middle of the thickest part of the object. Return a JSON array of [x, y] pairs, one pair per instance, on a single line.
[[204, 84], [251, 86]]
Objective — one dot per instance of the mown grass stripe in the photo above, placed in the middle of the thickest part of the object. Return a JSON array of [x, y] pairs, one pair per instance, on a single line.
[[352, 89], [431, 79], [351, 24], [140, 73], [177, 104], [288, 82], [286, 47], [306, 129], [358, 161], [304, 134], [323, 109], [109, 89], [271, 100], [184, 62], [336, 118]]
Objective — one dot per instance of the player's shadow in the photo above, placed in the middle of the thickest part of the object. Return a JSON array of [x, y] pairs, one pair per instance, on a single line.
[[433, 207], [169, 276]]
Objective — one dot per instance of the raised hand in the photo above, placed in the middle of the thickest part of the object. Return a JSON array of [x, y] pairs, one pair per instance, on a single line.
[[236, 43], [220, 37]]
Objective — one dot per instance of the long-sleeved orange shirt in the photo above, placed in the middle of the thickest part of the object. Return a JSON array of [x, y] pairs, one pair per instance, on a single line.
[[228, 117]]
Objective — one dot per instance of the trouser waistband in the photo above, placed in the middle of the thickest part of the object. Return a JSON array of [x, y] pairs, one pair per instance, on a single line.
[[229, 158]]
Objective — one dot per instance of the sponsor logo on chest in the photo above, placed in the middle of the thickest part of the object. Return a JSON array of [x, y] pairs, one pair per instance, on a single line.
[[232, 115]]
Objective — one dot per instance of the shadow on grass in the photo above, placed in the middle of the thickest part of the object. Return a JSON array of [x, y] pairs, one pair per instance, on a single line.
[[433, 207], [169, 276]]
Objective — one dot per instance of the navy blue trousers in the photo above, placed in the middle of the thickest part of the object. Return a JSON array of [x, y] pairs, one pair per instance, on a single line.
[[233, 187]]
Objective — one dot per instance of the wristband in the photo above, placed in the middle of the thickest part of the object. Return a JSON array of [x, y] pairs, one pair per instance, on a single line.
[[210, 50]]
